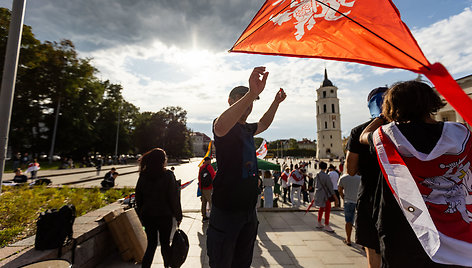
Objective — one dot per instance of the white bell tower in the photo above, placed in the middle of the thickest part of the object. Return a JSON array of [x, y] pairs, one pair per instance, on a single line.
[[328, 121]]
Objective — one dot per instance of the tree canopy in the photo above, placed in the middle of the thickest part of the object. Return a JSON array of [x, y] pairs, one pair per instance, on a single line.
[[52, 78]]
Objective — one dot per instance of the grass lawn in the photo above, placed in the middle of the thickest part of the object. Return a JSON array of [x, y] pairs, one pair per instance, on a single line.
[[21, 206]]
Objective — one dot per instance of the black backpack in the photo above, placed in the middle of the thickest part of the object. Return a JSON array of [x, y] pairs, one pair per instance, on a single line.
[[205, 178], [54, 227]]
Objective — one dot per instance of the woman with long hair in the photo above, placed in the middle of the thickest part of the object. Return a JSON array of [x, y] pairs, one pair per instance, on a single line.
[[424, 201], [157, 202]]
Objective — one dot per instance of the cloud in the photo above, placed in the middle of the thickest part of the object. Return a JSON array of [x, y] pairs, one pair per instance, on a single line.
[[98, 24], [172, 53], [446, 41]]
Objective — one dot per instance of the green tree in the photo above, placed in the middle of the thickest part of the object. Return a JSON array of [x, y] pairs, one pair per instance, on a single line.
[[166, 129], [112, 109]]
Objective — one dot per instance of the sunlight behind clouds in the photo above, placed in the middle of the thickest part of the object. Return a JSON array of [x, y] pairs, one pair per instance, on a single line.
[[155, 75]]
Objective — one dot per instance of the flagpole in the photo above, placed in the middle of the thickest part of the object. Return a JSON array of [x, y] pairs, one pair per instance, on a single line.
[[7, 91]]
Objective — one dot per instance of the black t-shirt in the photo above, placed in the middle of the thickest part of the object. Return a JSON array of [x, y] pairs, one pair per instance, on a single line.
[[400, 247], [20, 178], [235, 183], [368, 165]]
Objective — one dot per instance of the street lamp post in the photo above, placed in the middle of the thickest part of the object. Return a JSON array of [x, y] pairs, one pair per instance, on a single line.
[[117, 133], [7, 90]]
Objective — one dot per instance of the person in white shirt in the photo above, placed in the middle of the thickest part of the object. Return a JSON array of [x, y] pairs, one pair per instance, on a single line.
[[296, 181], [348, 187], [334, 175]]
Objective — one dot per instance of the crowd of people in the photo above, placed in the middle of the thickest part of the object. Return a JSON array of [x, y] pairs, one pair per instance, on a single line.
[[406, 185]]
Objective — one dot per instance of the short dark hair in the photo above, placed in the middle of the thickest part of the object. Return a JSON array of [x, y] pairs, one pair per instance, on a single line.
[[207, 158], [239, 91], [116, 173], [113, 168], [322, 165], [410, 101]]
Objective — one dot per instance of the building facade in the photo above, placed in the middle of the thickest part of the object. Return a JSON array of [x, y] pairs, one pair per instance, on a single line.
[[200, 143], [448, 113], [328, 121]]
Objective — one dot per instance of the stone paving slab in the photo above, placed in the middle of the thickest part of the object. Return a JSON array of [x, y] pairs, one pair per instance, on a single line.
[[285, 239], [299, 245]]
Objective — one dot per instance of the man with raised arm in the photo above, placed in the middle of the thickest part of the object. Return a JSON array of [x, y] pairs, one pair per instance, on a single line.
[[233, 220]]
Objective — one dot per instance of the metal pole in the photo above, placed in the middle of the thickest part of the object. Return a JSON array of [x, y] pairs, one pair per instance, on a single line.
[[7, 91], [117, 134], [56, 121]]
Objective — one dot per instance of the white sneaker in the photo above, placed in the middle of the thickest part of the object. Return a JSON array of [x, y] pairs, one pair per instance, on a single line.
[[318, 225], [328, 229]]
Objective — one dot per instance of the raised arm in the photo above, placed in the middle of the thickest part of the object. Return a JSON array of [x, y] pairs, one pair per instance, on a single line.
[[268, 117], [376, 123], [228, 118]]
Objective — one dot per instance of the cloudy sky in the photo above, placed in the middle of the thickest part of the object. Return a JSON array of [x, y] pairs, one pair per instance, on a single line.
[[167, 52]]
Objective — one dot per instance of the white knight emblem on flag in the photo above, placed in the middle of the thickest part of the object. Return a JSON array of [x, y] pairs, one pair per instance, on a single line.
[[451, 188], [305, 13]]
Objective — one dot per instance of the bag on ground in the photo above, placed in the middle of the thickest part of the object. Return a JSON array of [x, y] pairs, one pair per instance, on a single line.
[[54, 227], [179, 248]]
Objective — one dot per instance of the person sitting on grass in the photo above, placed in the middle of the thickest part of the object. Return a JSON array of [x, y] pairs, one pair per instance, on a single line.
[[109, 182], [19, 176]]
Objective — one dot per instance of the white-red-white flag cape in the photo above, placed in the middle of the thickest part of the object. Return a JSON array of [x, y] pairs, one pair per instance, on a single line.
[[433, 190], [262, 151], [32, 167]]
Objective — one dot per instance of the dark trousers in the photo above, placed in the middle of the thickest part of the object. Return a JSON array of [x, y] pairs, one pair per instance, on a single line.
[[162, 225], [231, 237], [286, 191], [336, 192]]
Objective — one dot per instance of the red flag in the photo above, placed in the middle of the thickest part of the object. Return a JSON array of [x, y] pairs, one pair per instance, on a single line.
[[311, 204], [364, 31]]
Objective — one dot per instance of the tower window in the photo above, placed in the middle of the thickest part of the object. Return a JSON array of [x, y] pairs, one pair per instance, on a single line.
[[324, 94], [331, 145], [334, 124], [324, 108], [330, 136], [332, 91], [326, 124], [332, 108]]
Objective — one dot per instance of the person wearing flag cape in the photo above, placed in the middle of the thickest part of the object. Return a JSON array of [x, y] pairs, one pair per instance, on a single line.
[[233, 222], [425, 205]]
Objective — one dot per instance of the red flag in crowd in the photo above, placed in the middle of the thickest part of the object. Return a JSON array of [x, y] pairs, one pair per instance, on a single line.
[[368, 32]]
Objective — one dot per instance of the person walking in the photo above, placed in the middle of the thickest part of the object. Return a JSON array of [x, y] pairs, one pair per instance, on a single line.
[[311, 186], [267, 183], [98, 165], [157, 202], [348, 187], [360, 159], [206, 174], [296, 182], [233, 220], [285, 185], [323, 190], [334, 175], [33, 168]]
